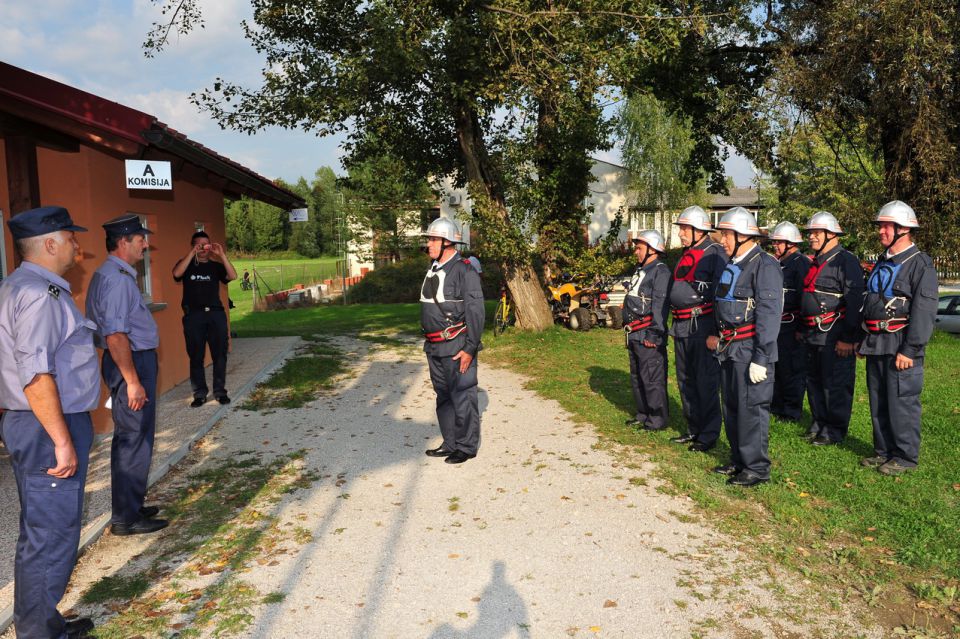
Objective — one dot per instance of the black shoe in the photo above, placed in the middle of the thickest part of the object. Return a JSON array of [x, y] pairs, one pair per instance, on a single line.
[[149, 511], [139, 527], [78, 628], [683, 439], [223, 399], [746, 478], [633, 422], [726, 469], [823, 440], [198, 402], [439, 451], [700, 447], [458, 457]]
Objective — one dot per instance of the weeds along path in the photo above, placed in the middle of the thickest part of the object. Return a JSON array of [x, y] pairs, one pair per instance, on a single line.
[[328, 521]]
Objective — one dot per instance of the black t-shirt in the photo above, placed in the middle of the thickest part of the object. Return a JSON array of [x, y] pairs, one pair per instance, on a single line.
[[201, 284]]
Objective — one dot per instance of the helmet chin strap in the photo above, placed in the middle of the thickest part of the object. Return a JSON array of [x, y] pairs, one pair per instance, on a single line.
[[697, 240], [739, 243], [826, 241], [896, 236]]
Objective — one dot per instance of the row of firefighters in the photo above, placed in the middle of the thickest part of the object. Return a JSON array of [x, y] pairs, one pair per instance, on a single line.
[[754, 332]]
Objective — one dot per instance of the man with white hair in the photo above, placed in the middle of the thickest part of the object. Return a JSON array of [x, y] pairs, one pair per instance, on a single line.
[[49, 383]]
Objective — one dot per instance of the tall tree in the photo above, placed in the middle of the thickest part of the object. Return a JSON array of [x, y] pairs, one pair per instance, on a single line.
[[656, 148], [427, 79]]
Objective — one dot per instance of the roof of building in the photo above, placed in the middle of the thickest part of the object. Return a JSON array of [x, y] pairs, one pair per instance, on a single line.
[[57, 114], [745, 197]]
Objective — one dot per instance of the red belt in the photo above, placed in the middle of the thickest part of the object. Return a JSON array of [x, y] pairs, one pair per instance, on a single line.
[[891, 325], [694, 311], [446, 334], [738, 333], [824, 318], [638, 324]]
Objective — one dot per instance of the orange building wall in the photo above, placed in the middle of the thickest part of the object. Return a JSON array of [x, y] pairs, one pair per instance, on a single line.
[[92, 186]]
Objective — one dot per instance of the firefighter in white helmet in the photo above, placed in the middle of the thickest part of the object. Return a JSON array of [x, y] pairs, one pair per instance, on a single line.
[[748, 306], [645, 309], [830, 306], [452, 315], [691, 301], [898, 316], [790, 379]]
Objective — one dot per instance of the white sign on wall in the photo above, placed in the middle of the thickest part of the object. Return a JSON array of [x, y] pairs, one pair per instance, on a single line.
[[149, 174], [298, 215]]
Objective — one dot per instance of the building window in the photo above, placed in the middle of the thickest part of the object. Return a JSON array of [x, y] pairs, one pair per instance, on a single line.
[[143, 267], [199, 226]]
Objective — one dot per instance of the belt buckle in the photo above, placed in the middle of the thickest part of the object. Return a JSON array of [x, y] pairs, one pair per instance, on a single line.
[[696, 311], [206, 309], [882, 324], [445, 333]]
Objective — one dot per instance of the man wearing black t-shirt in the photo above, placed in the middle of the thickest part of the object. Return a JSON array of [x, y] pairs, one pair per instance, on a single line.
[[204, 321]]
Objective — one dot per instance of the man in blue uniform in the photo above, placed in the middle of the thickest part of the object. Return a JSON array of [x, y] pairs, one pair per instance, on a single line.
[[898, 315], [645, 309], [128, 334], [201, 271], [452, 316], [49, 381], [830, 304], [748, 307], [790, 380], [691, 300]]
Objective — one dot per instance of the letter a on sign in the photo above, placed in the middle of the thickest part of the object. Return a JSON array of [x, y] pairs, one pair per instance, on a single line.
[[148, 174]]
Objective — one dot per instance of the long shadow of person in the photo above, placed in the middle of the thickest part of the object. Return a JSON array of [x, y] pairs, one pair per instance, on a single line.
[[500, 613], [614, 386]]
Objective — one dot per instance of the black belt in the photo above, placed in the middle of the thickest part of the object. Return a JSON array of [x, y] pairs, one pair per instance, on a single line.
[[200, 309]]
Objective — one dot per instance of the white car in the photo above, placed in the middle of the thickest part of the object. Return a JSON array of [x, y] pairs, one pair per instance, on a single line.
[[948, 314]]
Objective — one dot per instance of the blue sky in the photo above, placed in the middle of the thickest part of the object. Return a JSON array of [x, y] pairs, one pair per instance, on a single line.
[[95, 45]]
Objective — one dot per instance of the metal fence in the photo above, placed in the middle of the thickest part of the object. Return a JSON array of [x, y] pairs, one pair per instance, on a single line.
[[948, 268], [270, 279]]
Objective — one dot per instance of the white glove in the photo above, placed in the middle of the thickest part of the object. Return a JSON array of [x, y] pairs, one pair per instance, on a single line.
[[757, 373]]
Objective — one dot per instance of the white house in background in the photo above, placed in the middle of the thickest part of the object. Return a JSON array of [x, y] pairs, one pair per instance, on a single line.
[[608, 194]]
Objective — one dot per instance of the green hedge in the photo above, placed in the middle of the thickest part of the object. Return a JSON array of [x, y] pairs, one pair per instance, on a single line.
[[400, 282]]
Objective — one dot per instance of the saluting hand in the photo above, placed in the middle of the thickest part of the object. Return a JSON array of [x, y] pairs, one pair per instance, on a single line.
[[465, 358], [136, 396], [66, 461]]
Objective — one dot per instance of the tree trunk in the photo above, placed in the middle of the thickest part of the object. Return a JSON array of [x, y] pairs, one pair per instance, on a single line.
[[529, 300]]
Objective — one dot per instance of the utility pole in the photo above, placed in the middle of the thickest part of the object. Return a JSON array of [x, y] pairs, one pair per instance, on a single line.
[[342, 246]]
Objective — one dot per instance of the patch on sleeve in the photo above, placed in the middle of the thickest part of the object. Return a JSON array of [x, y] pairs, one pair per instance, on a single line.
[[54, 290]]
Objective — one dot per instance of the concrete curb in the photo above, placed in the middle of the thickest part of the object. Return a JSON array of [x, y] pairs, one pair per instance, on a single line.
[[95, 529]]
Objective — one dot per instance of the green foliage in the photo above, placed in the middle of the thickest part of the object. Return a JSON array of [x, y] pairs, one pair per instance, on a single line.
[[400, 282], [608, 256]]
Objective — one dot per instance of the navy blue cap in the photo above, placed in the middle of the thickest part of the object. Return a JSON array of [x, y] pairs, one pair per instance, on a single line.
[[46, 219], [128, 224]]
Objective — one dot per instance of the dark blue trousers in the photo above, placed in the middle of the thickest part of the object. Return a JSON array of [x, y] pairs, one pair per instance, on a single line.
[[457, 403], [698, 376], [200, 329], [746, 416], [50, 514], [830, 382], [790, 379], [648, 379], [895, 408], [133, 432]]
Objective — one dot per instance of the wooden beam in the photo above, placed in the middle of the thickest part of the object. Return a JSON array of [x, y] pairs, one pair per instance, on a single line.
[[23, 180]]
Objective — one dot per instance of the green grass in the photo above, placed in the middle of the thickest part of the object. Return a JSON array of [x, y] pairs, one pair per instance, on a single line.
[[822, 514], [299, 380], [294, 272]]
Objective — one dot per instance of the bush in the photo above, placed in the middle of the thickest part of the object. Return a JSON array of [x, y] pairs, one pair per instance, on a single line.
[[400, 282]]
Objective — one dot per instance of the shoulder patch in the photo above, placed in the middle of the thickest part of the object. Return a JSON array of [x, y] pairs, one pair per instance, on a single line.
[[54, 291]]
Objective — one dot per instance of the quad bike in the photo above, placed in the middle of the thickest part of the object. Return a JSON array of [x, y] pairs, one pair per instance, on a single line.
[[580, 309]]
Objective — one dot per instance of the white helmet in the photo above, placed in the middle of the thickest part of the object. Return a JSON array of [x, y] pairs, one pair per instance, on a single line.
[[653, 239], [786, 232], [443, 228], [696, 217], [823, 221], [899, 213], [740, 220]]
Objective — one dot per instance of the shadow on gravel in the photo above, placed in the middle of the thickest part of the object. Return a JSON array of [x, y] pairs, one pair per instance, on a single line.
[[500, 613]]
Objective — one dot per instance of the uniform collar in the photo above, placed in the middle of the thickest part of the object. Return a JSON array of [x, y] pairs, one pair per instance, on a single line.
[[456, 254], [126, 268], [740, 258], [789, 256], [823, 257], [652, 264], [50, 276], [902, 254]]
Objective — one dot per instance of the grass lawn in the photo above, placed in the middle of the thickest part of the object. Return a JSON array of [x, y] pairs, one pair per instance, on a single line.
[[889, 540], [277, 274]]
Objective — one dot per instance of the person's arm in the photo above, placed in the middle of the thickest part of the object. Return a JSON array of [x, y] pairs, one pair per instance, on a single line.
[[122, 354], [181, 266], [923, 308], [769, 299], [474, 315], [853, 291], [221, 256], [41, 394]]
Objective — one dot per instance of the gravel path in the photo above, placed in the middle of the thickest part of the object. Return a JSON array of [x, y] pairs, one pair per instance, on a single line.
[[544, 534]]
